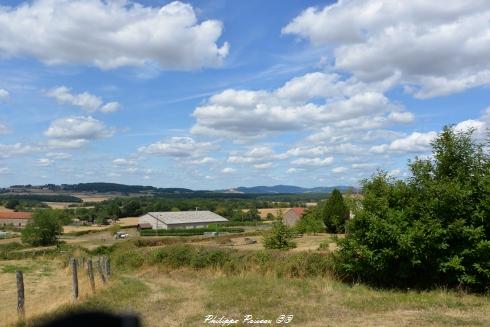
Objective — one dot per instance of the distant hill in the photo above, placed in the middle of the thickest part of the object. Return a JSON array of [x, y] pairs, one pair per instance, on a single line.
[[100, 187], [121, 188], [287, 189]]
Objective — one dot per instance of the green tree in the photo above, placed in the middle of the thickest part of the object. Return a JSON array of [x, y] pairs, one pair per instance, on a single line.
[[432, 229], [280, 236], [44, 228], [335, 213], [311, 222], [12, 204]]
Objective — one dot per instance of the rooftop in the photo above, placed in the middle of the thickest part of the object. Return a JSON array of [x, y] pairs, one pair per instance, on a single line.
[[15, 215], [186, 217]]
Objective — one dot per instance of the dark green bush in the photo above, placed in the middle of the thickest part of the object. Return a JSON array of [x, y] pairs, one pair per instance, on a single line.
[[432, 229]]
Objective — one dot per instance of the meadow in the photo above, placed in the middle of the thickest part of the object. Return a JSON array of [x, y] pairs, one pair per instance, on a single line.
[[178, 281]]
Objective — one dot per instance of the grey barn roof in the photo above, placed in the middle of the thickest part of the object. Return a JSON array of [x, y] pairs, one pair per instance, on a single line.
[[187, 217]]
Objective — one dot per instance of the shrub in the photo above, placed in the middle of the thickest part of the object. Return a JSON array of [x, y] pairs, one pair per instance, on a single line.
[[280, 237], [432, 229], [44, 228]]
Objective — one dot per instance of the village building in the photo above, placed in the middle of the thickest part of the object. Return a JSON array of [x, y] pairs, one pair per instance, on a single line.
[[292, 216], [14, 219], [179, 219]]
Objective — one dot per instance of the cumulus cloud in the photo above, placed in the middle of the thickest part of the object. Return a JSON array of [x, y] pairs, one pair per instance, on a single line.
[[179, 147], [228, 170], [111, 34], [74, 132], [435, 48], [85, 100], [4, 94], [415, 142], [313, 161], [246, 114]]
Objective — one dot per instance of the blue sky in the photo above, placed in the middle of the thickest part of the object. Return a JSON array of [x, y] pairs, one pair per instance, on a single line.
[[219, 94]]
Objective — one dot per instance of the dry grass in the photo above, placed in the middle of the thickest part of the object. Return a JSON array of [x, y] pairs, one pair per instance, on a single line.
[[60, 205], [72, 229], [47, 287], [128, 221], [305, 243]]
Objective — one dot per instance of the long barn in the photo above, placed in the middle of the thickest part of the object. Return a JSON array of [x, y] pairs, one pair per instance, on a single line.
[[180, 219]]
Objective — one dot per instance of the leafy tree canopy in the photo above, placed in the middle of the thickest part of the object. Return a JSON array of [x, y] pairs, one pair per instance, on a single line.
[[432, 229]]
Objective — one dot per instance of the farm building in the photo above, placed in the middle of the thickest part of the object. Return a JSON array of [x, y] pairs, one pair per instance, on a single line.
[[292, 216], [179, 219], [16, 219]]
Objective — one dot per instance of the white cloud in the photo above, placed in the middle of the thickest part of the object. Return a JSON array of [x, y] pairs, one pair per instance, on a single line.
[[44, 162], [58, 155], [4, 94], [254, 155], [110, 107], [339, 170], [122, 162], [244, 114], [265, 165], [4, 129], [111, 34], [313, 161], [415, 142], [178, 147], [436, 48], [74, 132], [228, 170], [202, 161], [85, 100], [16, 149], [4, 170]]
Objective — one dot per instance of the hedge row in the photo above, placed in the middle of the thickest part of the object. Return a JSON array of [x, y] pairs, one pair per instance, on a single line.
[[188, 232]]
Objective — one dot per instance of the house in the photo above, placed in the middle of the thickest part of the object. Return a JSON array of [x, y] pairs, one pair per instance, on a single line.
[[180, 219], [15, 219], [292, 216]]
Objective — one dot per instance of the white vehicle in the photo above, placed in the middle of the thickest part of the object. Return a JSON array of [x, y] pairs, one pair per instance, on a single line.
[[120, 235]]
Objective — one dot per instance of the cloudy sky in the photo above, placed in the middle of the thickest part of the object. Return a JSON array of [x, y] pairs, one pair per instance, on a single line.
[[219, 94]]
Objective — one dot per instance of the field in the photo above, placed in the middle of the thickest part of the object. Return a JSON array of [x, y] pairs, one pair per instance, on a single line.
[[183, 295]]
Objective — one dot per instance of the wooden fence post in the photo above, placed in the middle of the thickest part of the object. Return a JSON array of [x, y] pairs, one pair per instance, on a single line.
[[99, 269], [20, 295], [107, 267], [74, 286], [90, 271]]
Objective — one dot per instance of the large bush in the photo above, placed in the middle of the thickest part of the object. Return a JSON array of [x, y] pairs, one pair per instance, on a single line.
[[432, 229], [44, 228]]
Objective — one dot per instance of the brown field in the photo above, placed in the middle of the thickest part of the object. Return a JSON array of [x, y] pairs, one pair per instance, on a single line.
[[3, 209]]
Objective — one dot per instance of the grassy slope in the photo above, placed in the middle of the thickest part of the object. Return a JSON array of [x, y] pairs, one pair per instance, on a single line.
[[183, 297]]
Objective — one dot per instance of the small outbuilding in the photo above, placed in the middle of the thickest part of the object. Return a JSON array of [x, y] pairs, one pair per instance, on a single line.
[[15, 219], [180, 219], [292, 216]]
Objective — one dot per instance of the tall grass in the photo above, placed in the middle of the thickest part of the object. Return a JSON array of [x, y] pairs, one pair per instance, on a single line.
[[229, 261]]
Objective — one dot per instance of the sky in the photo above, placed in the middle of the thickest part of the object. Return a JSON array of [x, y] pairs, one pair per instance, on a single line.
[[220, 94]]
